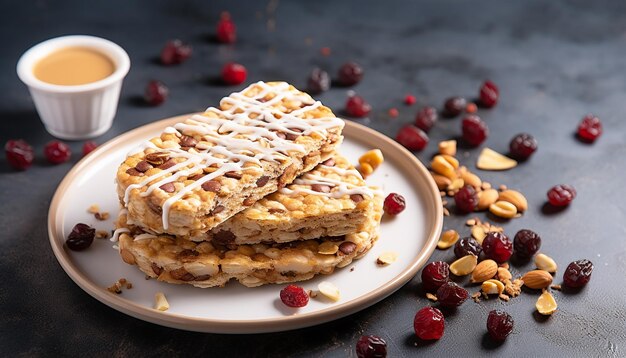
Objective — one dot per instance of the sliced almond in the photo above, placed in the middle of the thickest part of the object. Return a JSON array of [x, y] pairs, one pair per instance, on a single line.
[[546, 304], [447, 239], [478, 233], [545, 262], [329, 290], [441, 166], [486, 198], [537, 279], [160, 302], [387, 258], [492, 287], [464, 266], [484, 271], [503, 209], [447, 147], [489, 159], [516, 198], [93, 209]]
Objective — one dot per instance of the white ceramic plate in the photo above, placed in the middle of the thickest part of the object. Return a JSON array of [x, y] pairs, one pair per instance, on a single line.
[[236, 309]]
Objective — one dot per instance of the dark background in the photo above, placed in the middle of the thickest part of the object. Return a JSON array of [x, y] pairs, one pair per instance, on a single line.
[[553, 61]]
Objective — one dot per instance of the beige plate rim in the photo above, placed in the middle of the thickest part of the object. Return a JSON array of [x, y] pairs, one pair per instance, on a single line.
[[352, 130]]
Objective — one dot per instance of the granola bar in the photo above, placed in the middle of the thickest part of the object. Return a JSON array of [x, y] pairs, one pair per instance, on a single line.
[[204, 170], [207, 264]]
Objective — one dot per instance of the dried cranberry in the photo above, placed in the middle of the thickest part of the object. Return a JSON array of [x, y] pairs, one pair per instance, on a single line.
[[590, 128], [522, 146], [356, 106], [467, 246], [89, 147], [318, 82], [226, 31], [429, 323], [409, 100], [475, 131], [20, 154], [497, 246], [451, 295], [499, 325], [412, 138], [294, 296], [489, 94], [453, 106], [426, 118], [371, 347], [81, 237], [471, 108], [466, 199], [393, 112], [394, 204], [526, 243], [350, 74], [174, 52], [234, 73], [561, 195], [57, 152], [578, 273], [156, 93], [434, 275]]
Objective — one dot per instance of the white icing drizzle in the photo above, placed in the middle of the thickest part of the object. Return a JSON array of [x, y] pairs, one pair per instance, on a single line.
[[144, 237], [342, 187], [117, 233], [229, 153]]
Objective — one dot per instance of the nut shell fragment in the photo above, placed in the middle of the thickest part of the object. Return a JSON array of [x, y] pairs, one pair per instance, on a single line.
[[387, 258], [546, 304], [492, 287], [489, 159]]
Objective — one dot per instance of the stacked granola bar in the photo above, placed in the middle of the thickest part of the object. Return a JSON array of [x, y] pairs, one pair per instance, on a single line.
[[254, 190]]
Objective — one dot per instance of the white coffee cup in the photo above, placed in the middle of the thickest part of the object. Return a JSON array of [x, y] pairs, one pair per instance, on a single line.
[[77, 111]]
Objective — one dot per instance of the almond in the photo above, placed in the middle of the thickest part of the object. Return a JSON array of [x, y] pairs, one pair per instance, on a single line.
[[447, 147], [504, 274], [447, 239], [484, 271], [442, 182], [486, 198], [537, 279], [387, 258], [516, 198], [489, 159], [471, 179], [545, 262], [464, 266], [546, 305]]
